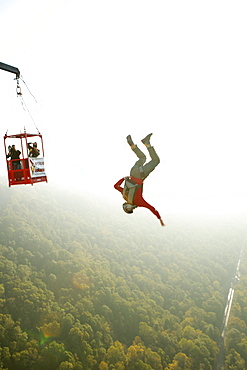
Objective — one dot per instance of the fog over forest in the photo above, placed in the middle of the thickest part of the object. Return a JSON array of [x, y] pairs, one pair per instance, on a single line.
[[85, 286]]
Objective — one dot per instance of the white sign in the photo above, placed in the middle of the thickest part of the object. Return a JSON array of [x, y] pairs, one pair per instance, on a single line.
[[37, 167]]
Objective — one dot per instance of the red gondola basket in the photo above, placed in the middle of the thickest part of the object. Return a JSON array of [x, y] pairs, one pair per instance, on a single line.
[[29, 170]]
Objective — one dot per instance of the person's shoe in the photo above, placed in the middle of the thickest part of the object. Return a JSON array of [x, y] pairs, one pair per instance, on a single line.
[[129, 140], [146, 140]]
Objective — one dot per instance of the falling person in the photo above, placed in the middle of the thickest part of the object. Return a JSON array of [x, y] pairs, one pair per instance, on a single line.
[[133, 186]]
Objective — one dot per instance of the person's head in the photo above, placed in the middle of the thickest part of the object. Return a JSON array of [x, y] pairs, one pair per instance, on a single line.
[[35, 145], [128, 208]]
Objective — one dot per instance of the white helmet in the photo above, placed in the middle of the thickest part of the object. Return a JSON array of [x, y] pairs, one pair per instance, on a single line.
[[128, 208]]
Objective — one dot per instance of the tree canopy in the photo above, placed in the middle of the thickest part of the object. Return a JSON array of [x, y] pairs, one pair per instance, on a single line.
[[84, 288]]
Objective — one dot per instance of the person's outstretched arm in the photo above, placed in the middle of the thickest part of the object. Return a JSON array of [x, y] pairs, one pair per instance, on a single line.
[[162, 223], [117, 185]]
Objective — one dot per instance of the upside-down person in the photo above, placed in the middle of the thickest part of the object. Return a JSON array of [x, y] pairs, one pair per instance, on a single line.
[[133, 186]]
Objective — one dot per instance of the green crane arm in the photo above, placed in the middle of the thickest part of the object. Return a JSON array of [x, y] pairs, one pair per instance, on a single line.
[[11, 69]]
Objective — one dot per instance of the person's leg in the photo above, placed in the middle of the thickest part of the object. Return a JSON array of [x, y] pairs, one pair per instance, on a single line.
[[150, 166], [135, 172], [14, 164]]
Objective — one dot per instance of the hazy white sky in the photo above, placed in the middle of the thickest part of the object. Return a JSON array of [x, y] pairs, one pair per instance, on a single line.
[[101, 70]]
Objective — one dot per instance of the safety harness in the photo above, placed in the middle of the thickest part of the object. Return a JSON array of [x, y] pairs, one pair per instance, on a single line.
[[130, 188]]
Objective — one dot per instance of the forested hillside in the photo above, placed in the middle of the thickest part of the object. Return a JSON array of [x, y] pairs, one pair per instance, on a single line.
[[84, 287]]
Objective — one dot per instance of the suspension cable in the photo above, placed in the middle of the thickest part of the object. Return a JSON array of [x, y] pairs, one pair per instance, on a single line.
[[24, 105], [28, 88]]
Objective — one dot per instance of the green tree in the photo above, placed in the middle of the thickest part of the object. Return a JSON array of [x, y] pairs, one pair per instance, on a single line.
[[103, 366], [234, 361], [53, 354], [180, 362], [115, 354], [66, 365], [27, 359]]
